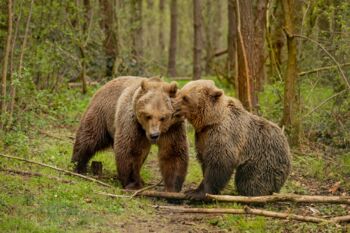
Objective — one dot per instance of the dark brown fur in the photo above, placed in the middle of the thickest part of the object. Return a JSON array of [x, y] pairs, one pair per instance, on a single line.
[[228, 137], [126, 113]]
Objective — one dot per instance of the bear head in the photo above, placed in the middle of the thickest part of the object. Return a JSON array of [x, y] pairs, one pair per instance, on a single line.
[[200, 102], [153, 107]]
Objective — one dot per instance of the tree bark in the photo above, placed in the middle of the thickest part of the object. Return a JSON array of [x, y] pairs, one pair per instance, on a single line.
[[5, 63], [111, 42], [137, 30], [245, 20], [173, 39], [291, 96], [231, 43], [197, 42], [161, 28]]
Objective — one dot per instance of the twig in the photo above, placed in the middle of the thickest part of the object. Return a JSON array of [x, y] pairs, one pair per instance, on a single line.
[[54, 136], [145, 188], [36, 174], [324, 102], [330, 55], [322, 69], [259, 212], [282, 198], [58, 169], [112, 195]]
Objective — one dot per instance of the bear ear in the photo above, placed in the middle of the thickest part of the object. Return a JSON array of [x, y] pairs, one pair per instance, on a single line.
[[172, 89], [215, 93], [144, 85], [155, 79]]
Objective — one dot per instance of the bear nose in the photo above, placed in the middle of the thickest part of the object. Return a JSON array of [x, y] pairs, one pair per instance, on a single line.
[[154, 136]]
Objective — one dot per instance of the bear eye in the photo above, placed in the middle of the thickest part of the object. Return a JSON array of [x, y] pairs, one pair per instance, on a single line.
[[148, 117], [162, 118], [185, 99]]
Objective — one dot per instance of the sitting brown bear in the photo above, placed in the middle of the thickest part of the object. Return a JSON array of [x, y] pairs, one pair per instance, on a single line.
[[131, 113], [228, 137]]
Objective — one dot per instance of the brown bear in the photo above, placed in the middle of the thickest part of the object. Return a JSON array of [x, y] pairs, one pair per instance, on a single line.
[[228, 137], [131, 113]]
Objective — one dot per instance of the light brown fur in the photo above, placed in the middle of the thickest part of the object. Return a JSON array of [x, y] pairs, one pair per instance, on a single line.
[[228, 137], [131, 113]]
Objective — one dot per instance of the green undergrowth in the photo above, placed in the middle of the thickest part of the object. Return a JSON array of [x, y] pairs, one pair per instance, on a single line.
[[59, 203]]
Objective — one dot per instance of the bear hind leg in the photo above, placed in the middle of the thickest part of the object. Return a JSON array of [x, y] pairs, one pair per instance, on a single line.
[[88, 141]]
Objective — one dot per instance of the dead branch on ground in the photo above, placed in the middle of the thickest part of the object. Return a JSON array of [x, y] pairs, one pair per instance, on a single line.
[[58, 169], [259, 212], [243, 199], [283, 198], [145, 188]]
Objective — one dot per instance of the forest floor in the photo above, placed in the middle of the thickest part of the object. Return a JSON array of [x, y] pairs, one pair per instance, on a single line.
[[56, 202]]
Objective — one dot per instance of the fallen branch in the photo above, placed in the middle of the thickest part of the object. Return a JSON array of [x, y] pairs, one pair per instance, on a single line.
[[283, 198], [259, 212], [35, 174], [243, 199], [58, 169], [145, 188]]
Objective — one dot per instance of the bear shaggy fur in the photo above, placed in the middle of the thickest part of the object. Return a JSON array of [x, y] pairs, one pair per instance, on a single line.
[[131, 113], [228, 137]]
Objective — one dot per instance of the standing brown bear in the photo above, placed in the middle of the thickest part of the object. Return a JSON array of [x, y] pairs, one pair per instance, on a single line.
[[228, 137], [131, 113]]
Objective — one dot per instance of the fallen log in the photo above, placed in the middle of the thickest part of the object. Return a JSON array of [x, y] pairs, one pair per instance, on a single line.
[[243, 199], [259, 212], [282, 198]]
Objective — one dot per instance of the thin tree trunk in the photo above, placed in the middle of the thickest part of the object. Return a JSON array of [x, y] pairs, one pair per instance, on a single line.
[[111, 41], [231, 43], [259, 42], [137, 31], [5, 64], [20, 66], [173, 40], [245, 82], [197, 47], [161, 28], [291, 99]]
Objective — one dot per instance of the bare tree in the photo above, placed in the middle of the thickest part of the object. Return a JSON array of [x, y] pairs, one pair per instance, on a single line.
[[136, 29], [197, 47], [161, 28], [291, 98], [6, 60], [20, 66], [111, 41], [231, 42], [173, 40]]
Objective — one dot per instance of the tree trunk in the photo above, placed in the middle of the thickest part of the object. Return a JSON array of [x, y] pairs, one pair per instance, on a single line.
[[245, 27], [161, 29], [197, 47], [5, 63], [111, 41], [20, 66], [173, 40], [291, 99], [231, 43], [259, 42], [137, 31]]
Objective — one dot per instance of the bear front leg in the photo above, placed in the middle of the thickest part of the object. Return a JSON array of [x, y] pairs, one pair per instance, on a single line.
[[173, 158], [131, 148], [218, 166]]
